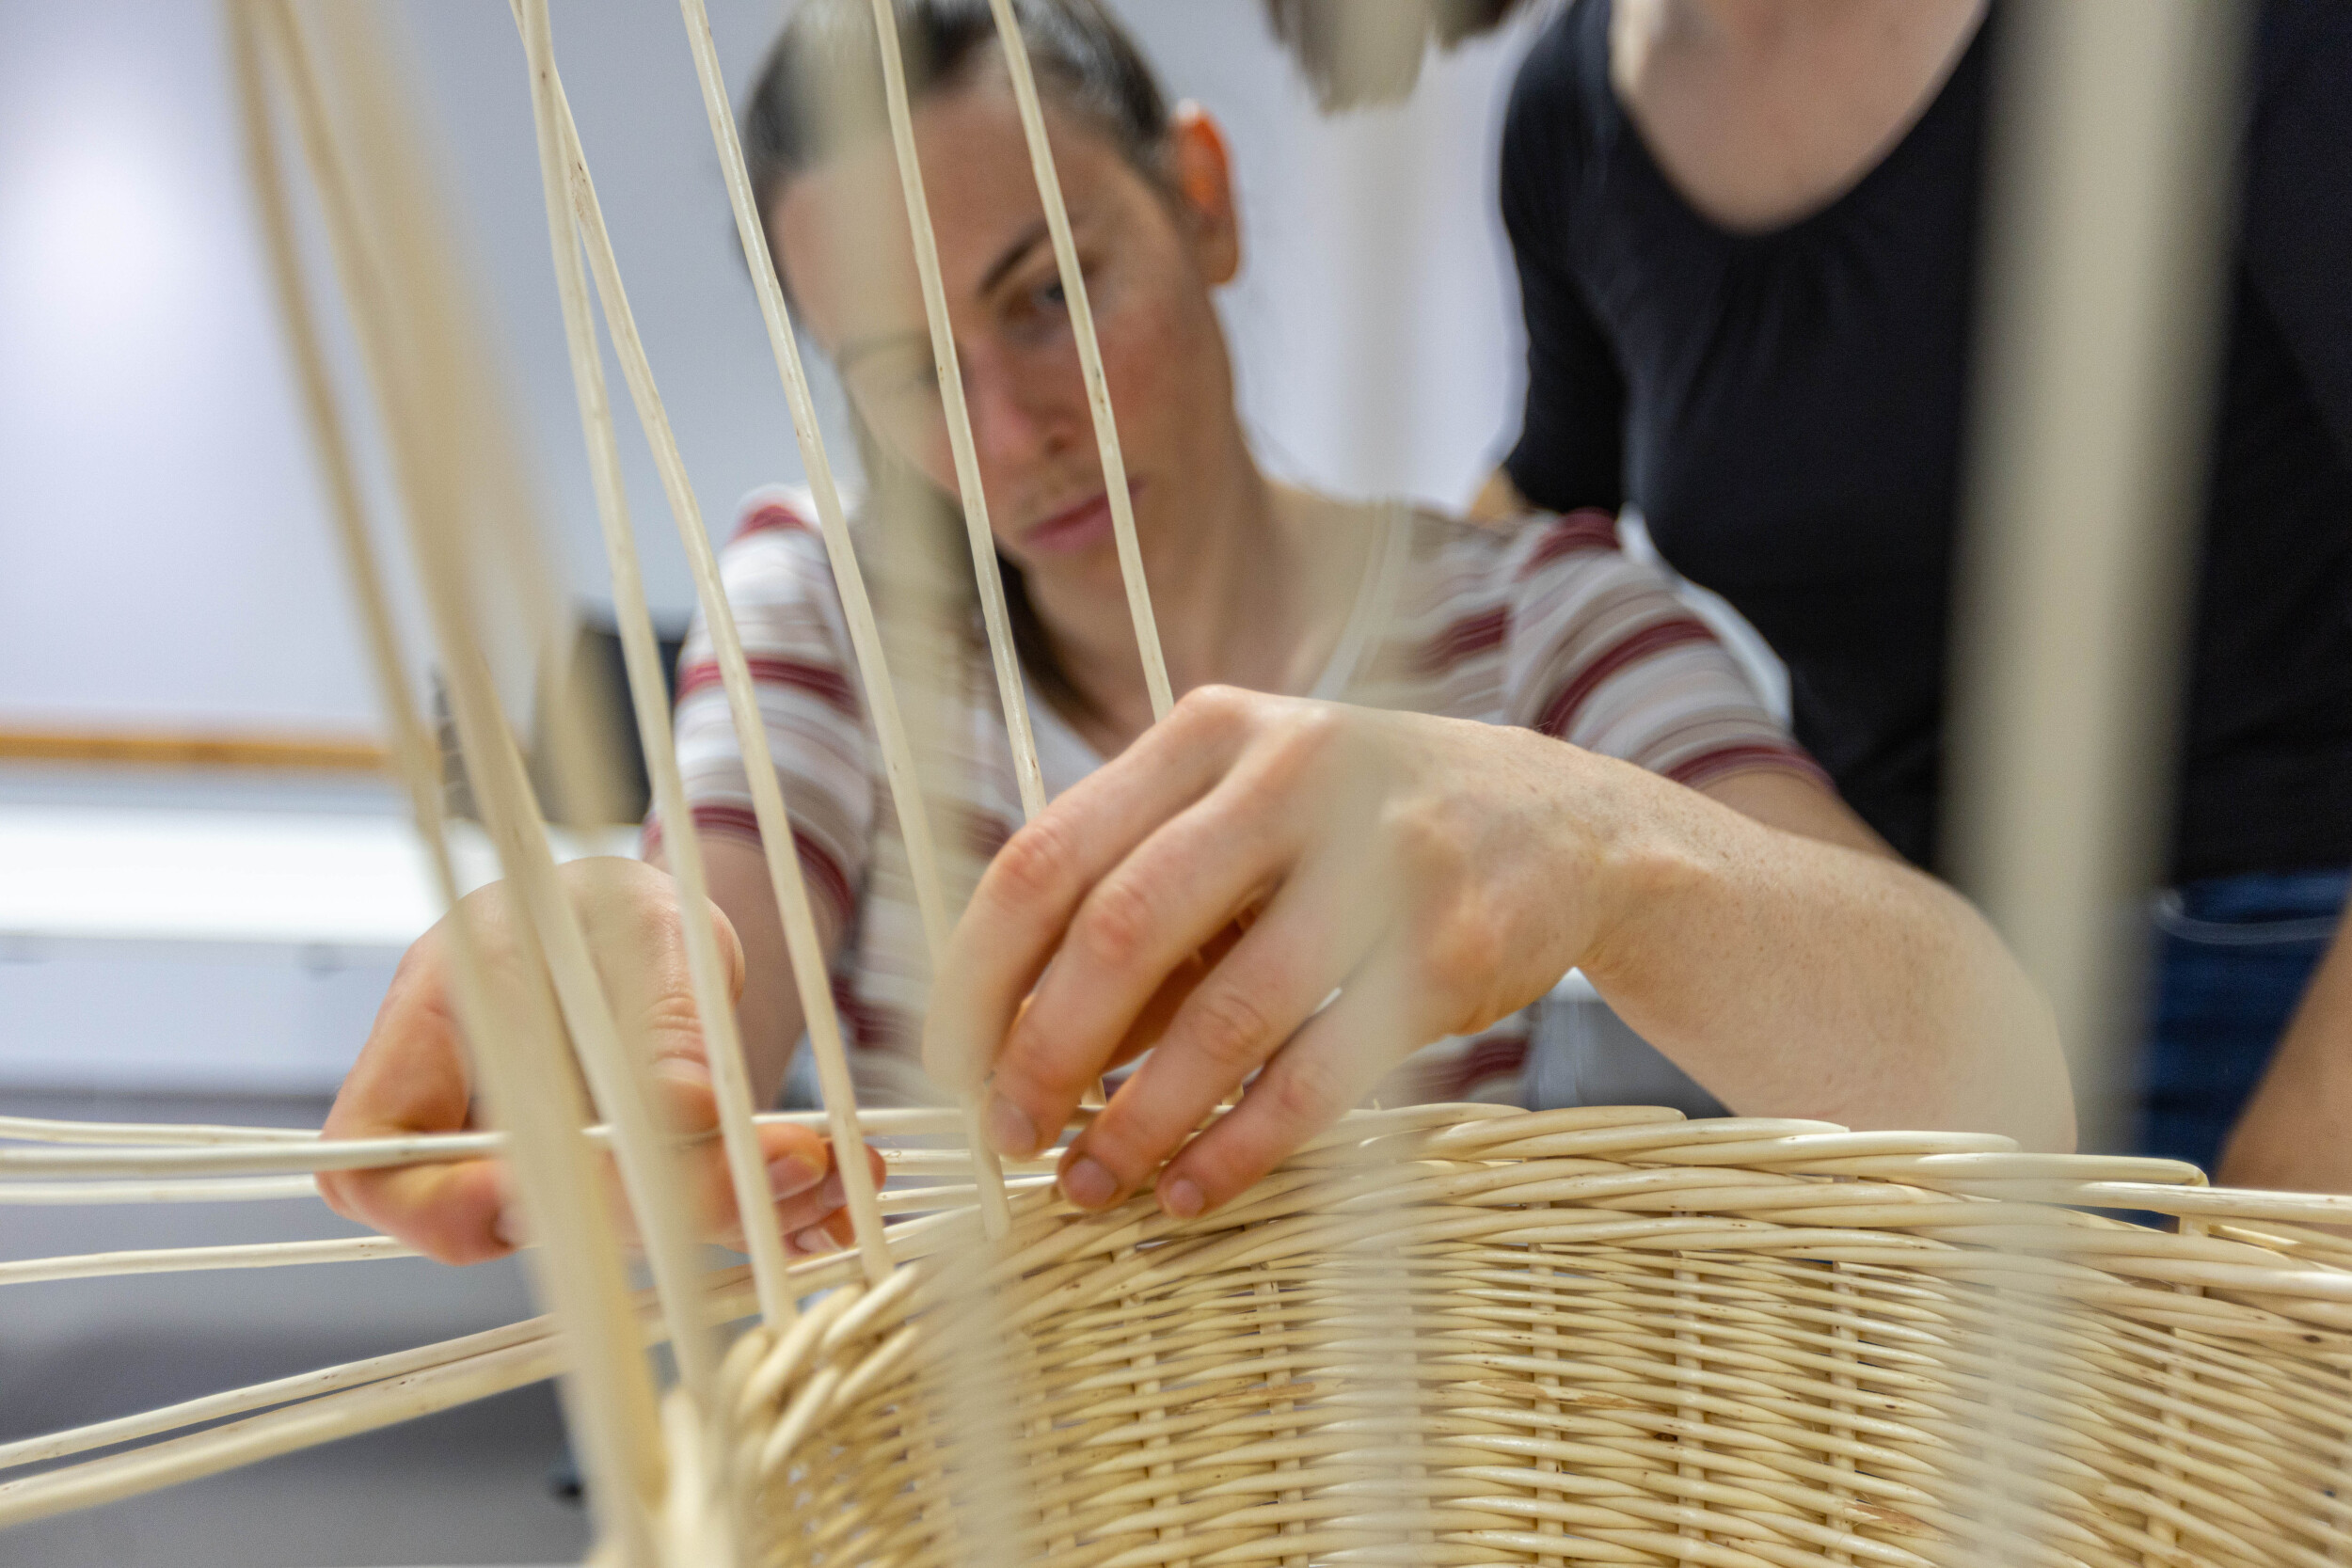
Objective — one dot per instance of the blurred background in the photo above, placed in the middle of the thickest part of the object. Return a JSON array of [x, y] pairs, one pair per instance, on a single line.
[[209, 943], [205, 881]]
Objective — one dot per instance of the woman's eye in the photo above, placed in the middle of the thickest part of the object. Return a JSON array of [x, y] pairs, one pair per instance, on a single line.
[[884, 387]]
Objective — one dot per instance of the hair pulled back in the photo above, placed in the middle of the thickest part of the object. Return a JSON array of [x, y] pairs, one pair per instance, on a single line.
[[820, 90], [1084, 64]]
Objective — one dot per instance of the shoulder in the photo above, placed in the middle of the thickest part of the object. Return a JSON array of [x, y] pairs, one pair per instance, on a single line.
[[1549, 622], [781, 594], [1556, 83], [1561, 595], [2301, 89], [1559, 111], [774, 519], [1473, 587], [775, 556], [1497, 558]]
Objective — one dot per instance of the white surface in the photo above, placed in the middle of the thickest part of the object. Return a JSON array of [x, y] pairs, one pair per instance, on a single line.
[[211, 947], [357, 885]]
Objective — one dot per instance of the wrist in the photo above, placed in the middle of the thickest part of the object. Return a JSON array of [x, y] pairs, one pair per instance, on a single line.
[[1644, 862]]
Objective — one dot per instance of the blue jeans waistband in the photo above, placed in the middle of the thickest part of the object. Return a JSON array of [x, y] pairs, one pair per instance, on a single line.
[[2256, 907]]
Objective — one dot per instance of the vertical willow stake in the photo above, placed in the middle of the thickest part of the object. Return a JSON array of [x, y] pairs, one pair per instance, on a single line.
[[1073, 287], [882, 699], [580, 1274], [974, 502], [649, 692], [775, 826]]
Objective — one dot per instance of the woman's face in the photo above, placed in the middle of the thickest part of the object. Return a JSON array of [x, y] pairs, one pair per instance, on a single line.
[[1150, 253]]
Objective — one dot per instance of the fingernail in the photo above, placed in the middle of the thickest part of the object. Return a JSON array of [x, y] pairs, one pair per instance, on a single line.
[[835, 1193], [791, 1174], [814, 1242], [508, 1228], [1089, 1184], [1181, 1199], [1009, 1130]]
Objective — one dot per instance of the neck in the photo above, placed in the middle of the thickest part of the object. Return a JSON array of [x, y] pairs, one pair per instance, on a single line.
[[1763, 110], [1756, 28], [1236, 591]]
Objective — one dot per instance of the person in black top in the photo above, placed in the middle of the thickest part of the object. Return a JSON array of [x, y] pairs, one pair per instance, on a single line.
[[1747, 237]]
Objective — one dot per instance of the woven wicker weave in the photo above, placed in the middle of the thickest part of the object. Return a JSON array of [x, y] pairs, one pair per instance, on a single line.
[[1605, 1336]]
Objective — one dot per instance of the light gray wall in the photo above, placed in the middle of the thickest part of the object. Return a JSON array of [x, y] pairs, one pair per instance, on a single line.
[[160, 551], [162, 555]]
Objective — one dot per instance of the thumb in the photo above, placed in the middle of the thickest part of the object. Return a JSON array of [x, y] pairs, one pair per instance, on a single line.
[[681, 1084], [653, 993], [671, 1012], [730, 950]]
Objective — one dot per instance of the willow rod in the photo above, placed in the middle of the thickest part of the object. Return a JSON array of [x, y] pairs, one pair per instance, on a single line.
[[253, 1254], [1073, 284], [882, 698], [582, 1274], [750, 730], [970, 492], [563, 169]]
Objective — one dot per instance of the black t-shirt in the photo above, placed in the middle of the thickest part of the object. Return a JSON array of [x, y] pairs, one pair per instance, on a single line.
[[1786, 411]]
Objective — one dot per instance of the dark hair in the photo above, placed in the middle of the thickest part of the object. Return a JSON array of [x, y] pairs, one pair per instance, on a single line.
[[1083, 60], [1354, 63], [820, 89]]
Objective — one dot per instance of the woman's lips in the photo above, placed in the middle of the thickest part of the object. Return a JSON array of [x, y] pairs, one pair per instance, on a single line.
[[1078, 528]]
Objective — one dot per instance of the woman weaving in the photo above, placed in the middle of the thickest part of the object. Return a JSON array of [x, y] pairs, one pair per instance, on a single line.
[[1419, 771]]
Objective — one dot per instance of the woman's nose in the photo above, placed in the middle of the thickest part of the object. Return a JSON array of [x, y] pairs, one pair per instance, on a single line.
[[1016, 416]]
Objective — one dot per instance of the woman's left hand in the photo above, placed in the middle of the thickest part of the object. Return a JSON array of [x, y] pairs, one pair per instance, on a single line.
[[1210, 889]]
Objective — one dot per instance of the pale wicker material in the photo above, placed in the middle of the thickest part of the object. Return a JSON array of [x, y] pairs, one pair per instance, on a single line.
[[1459, 1334], [1599, 1336], [1442, 1335]]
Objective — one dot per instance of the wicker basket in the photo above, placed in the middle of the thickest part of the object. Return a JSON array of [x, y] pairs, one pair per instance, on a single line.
[[1450, 1335]]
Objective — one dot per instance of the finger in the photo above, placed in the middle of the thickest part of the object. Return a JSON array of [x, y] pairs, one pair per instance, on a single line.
[[1034, 885], [1233, 1022], [803, 1185], [411, 1077], [649, 983], [825, 1225], [798, 1160], [794, 1157], [1135, 933], [1167, 1001], [456, 1212], [832, 1233], [1326, 1070]]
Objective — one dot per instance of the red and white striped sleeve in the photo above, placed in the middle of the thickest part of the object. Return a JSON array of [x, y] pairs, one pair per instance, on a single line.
[[1601, 653], [781, 589]]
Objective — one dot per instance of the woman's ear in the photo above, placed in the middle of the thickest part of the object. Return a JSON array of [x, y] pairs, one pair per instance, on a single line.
[[1204, 173]]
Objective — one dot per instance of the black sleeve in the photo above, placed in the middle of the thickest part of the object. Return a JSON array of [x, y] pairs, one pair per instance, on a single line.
[[2297, 237], [1569, 452]]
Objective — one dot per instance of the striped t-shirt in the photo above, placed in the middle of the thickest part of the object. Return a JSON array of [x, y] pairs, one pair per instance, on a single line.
[[1548, 624]]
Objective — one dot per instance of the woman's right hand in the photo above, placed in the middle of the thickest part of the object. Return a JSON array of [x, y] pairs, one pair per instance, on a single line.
[[413, 1076]]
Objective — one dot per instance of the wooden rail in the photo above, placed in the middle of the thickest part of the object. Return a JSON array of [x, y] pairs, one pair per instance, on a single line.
[[289, 752]]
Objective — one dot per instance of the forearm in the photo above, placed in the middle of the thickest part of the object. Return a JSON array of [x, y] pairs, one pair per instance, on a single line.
[[1796, 977], [2297, 1130]]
